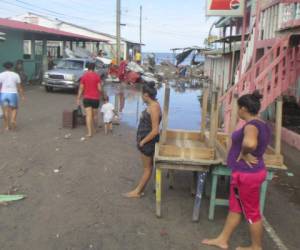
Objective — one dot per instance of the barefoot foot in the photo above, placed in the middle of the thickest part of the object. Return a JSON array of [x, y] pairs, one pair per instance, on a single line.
[[216, 242], [133, 194]]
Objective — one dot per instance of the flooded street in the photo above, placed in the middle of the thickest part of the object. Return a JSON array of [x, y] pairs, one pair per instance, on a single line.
[[185, 110]]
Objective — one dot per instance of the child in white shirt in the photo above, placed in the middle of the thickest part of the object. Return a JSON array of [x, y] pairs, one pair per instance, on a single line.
[[108, 111]]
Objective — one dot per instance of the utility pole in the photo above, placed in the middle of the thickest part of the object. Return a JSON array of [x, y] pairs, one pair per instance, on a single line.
[[118, 31], [141, 12]]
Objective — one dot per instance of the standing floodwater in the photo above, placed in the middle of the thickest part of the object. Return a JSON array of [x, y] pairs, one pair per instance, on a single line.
[[184, 112]]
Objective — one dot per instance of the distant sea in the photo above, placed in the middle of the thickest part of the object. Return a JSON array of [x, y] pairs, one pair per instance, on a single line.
[[171, 57]]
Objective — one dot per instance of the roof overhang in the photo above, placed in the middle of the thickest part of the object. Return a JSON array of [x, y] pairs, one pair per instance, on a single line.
[[230, 39], [44, 32], [221, 52], [199, 49]]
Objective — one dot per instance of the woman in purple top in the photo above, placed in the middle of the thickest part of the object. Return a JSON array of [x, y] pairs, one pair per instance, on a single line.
[[245, 158]]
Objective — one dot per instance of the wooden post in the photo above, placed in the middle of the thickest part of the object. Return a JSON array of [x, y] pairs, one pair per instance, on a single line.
[[197, 204], [158, 192], [33, 48], [204, 109], [233, 117], [44, 58], [217, 118], [278, 125], [64, 48], [165, 114], [118, 31], [212, 132]]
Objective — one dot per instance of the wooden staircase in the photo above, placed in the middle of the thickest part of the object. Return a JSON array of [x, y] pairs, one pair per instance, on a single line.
[[272, 75]]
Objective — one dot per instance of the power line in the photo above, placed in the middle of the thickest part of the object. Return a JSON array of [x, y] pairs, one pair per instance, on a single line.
[[35, 8]]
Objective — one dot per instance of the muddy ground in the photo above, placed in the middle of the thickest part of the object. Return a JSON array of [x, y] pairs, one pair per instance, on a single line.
[[81, 207]]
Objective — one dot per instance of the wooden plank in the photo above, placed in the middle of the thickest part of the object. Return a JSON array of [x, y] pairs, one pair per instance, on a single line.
[[183, 134], [175, 153], [212, 132], [194, 154], [165, 114], [185, 167], [217, 116], [158, 191], [278, 125], [204, 109], [234, 117]]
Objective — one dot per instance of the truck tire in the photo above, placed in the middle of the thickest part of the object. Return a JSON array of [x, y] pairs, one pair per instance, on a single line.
[[48, 89]]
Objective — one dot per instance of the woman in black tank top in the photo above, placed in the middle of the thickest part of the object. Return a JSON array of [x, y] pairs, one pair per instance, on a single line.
[[147, 136]]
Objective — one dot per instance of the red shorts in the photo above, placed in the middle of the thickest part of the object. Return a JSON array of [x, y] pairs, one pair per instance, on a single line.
[[247, 187]]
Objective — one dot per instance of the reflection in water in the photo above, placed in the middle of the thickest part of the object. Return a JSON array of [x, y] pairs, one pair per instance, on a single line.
[[184, 112]]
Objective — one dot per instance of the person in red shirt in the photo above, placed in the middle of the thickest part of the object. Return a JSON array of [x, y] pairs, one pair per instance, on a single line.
[[90, 88]]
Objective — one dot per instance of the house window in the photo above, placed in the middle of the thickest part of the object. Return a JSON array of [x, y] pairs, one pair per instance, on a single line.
[[38, 48], [27, 49]]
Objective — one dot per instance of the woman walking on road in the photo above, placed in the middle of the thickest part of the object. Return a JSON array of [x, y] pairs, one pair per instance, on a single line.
[[147, 136], [90, 88], [10, 89], [245, 159]]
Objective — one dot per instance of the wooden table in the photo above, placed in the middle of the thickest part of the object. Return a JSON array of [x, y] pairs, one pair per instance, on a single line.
[[182, 164]]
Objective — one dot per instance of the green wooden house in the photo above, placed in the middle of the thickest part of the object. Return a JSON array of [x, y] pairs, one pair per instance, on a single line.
[[28, 42]]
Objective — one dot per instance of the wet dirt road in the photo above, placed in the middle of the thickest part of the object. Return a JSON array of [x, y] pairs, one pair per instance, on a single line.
[[79, 205]]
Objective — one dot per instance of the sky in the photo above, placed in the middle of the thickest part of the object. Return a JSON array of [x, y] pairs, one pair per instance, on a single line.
[[166, 24]]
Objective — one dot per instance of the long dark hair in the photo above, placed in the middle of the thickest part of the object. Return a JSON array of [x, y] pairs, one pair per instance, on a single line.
[[251, 102], [149, 88]]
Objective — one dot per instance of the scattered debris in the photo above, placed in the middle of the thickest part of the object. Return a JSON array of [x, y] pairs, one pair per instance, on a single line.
[[6, 198], [57, 149], [140, 233], [68, 136], [82, 139], [57, 170], [163, 232], [289, 174]]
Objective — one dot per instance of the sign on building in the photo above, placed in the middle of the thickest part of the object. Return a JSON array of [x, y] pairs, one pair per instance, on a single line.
[[225, 7]]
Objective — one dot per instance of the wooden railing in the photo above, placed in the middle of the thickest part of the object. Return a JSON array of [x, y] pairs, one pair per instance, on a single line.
[[272, 75]]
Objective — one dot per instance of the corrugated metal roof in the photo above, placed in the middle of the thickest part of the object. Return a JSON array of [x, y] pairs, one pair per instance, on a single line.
[[82, 27], [11, 24]]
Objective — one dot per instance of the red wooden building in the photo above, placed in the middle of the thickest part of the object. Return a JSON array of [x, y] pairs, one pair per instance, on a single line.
[[260, 51]]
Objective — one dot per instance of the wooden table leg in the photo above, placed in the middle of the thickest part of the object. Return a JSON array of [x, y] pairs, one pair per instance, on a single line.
[[212, 202], [171, 179], [194, 183], [263, 191], [158, 192], [200, 187]]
